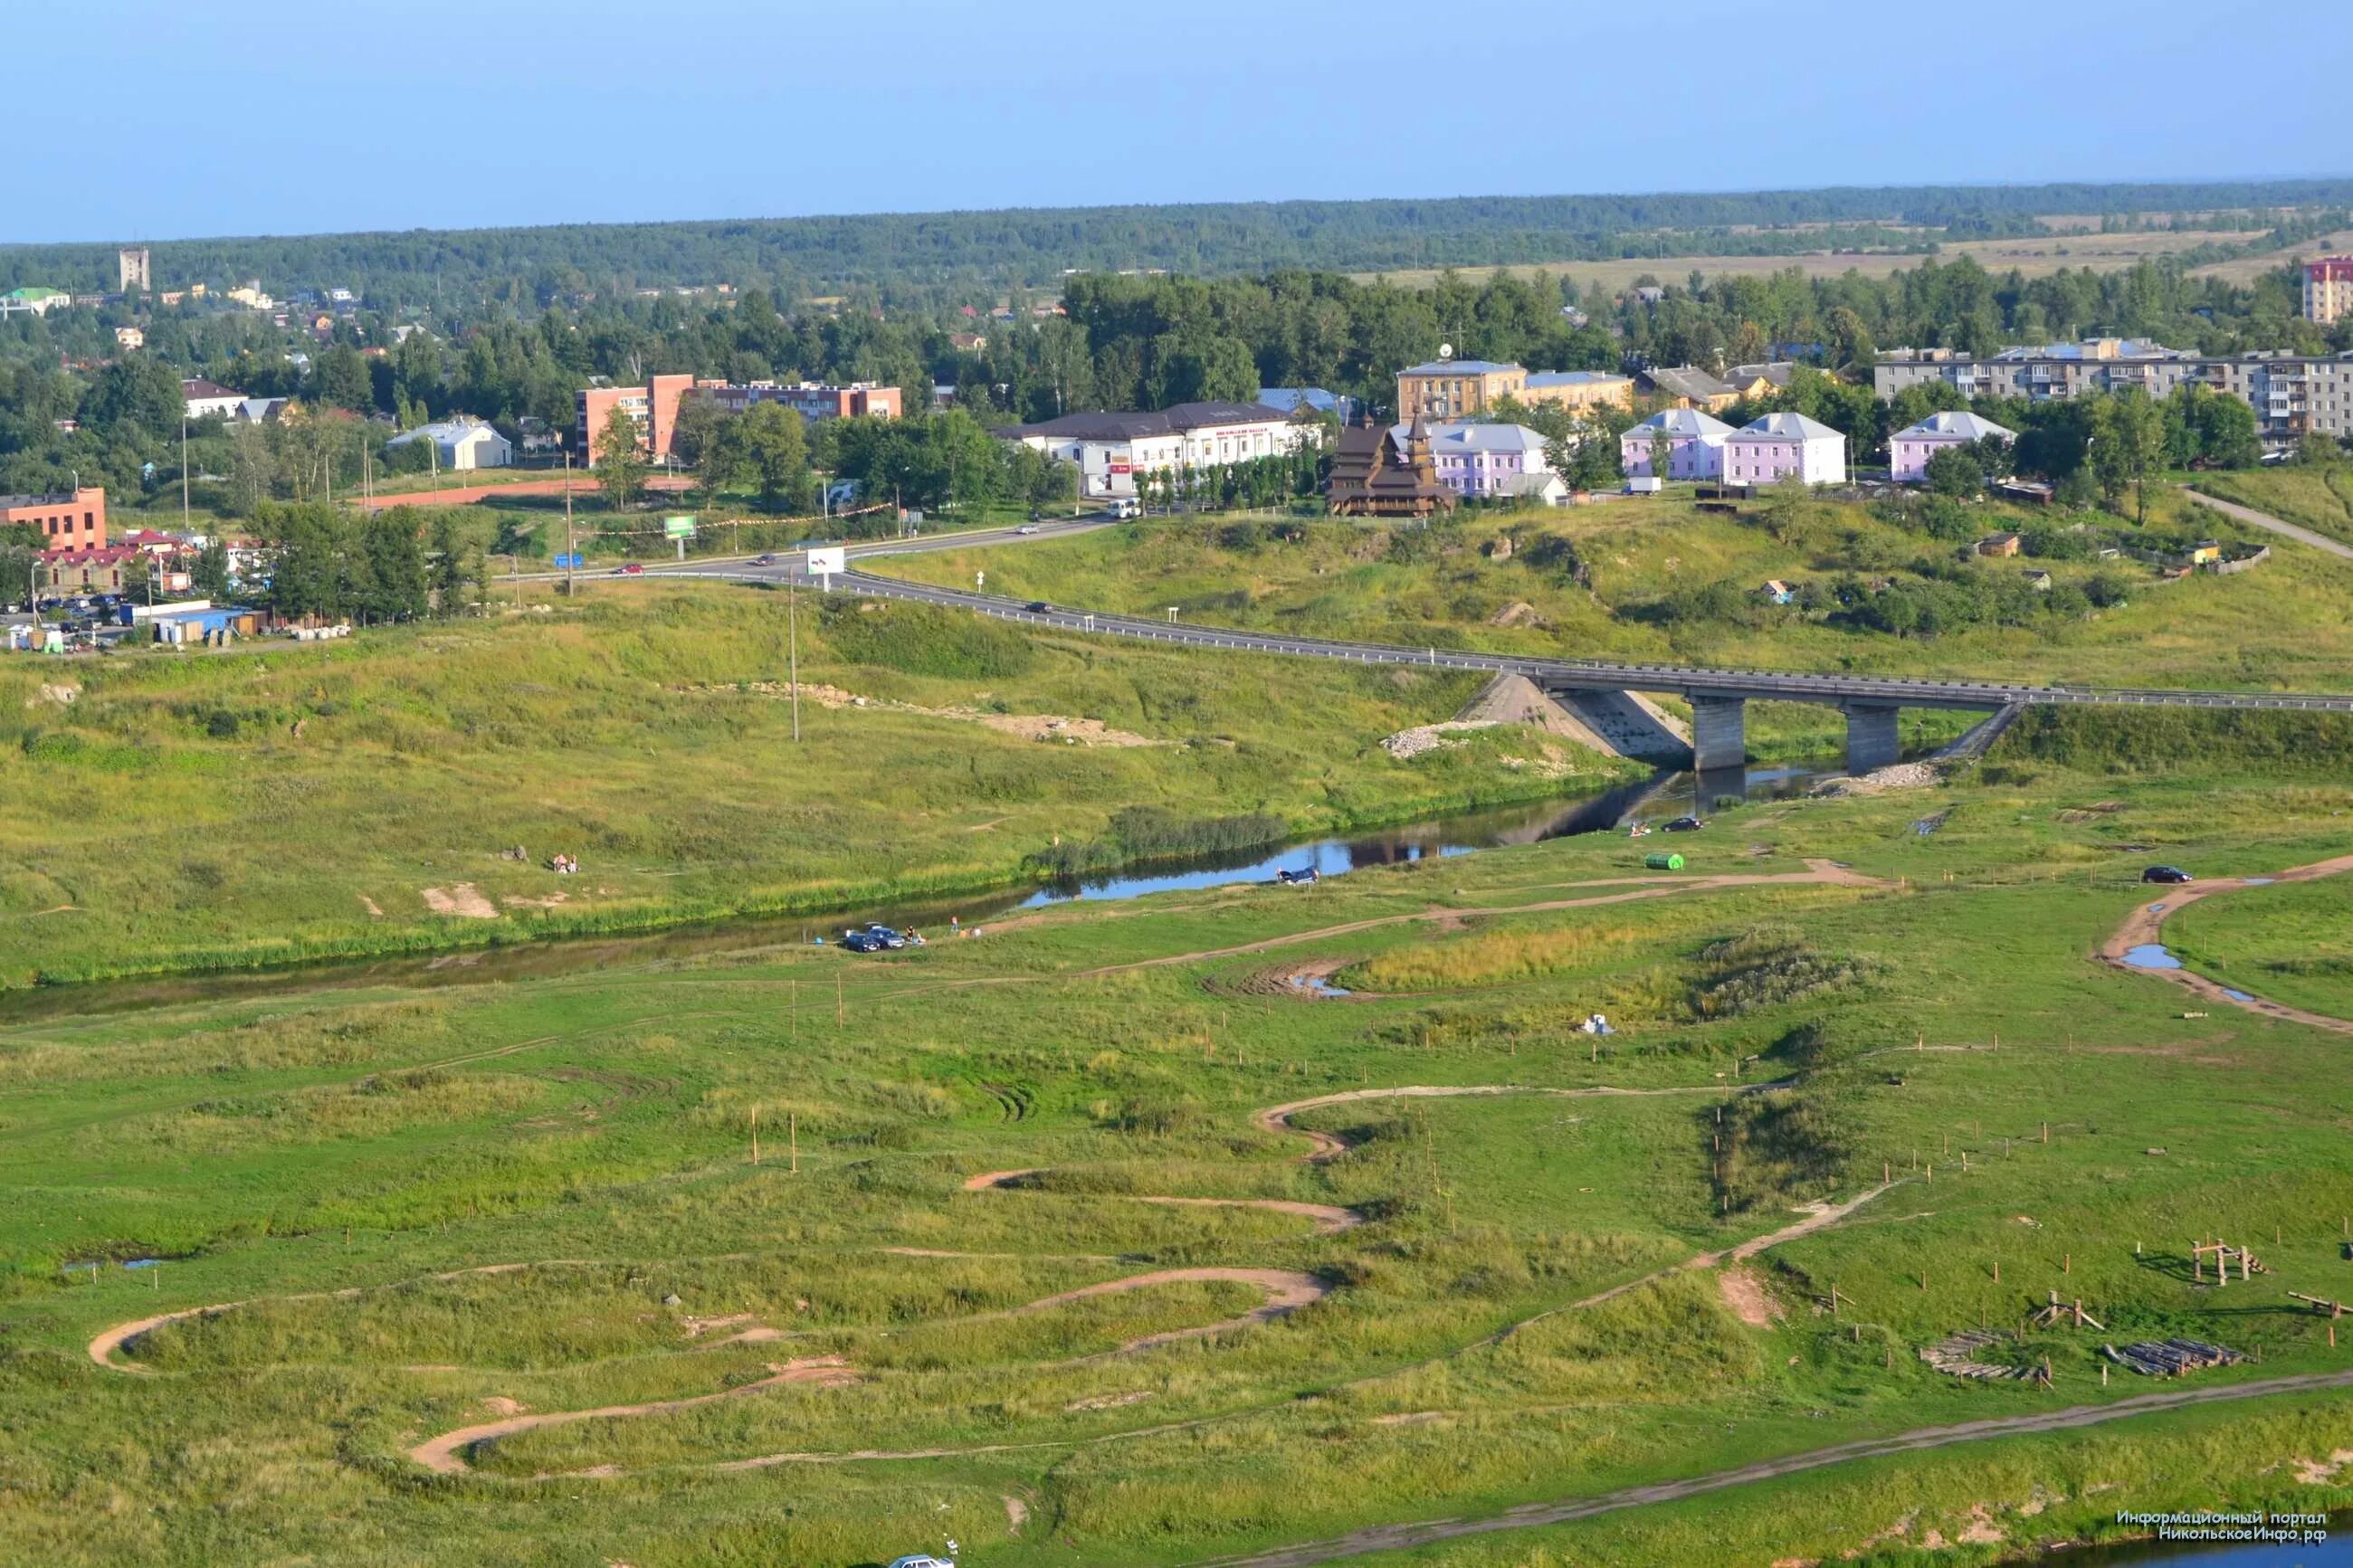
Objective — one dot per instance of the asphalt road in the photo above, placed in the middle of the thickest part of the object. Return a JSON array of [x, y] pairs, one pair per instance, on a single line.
[[1591, 674]]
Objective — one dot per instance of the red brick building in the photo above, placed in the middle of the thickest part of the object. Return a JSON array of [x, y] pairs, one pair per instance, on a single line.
[[653, 405], [65, 521]]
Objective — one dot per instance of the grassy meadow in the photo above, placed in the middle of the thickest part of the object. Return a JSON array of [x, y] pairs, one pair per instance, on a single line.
[[160, 811], [442, 1208], [2319, 498]]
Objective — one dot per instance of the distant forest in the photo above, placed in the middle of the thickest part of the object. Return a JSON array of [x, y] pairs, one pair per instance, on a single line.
[[971, 257]]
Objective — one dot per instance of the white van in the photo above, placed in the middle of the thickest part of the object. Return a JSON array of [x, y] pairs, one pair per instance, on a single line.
[[1125, 507]]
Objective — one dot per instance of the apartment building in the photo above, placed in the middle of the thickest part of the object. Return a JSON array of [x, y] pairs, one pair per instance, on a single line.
[[69, 520], [2328, 289], [2292, 395], [1485, 461], [1579, 389], [1457, 388], [811, 400]]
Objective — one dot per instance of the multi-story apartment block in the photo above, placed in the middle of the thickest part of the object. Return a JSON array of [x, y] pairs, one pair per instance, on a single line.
[[2328, 289], [653, 405], [2292, 395], [810, 400], [1457, 388]]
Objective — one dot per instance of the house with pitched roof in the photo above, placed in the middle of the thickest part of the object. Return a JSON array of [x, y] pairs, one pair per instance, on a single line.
[[1675, 444], [1484, 461], [1909, 449], [1780, 446]]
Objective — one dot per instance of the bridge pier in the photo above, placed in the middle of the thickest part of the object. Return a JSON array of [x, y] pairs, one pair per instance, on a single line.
[[1872, 738], [1719, 733]]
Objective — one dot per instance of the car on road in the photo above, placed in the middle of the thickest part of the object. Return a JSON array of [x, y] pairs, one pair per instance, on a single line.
[[629, 569], [1038, 606], [2173, 876], [1027, 528], [1684, 825], [1123, 510], [763, 561]]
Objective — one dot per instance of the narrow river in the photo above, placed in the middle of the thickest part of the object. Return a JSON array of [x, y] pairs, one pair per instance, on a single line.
[[1657, 799]]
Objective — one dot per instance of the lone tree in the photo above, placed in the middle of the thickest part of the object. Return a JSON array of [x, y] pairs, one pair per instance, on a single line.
[[621, 458]]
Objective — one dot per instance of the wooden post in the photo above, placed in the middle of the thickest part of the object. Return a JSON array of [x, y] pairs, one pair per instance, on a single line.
[[2046, 1132], [1997, 1270], [756, 1135], [1923, 1279], [793, 1130], [2103, 1375], [795, 987], [2066, 1262], [840, 1017]]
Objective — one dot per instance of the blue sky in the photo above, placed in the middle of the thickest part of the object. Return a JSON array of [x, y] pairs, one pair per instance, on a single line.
[[275, 116]]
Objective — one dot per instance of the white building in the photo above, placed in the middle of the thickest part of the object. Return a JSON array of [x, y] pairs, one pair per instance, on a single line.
[[462, 444], [202, 397], [1110, 450], [1778, 445], [1909, 449]]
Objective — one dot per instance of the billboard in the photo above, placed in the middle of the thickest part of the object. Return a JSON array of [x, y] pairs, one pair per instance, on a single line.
[[678, 528], [826, 562]]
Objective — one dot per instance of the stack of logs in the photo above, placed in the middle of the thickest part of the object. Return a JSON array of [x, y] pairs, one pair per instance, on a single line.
[[2172, 1358]]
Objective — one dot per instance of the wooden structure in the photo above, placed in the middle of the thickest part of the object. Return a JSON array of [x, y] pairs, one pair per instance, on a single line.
[[2327, 1309], [1957, 1354], [2224, 1254], [2060, 1312], [1373, 474], [2172, 1358]]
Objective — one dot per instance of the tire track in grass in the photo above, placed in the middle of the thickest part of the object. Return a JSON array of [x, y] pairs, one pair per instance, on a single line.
[[2145, 927]]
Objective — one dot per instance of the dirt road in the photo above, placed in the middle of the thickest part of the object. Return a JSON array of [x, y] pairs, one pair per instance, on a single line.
[[1402, 1537], [2271, 524], [2145, 927]]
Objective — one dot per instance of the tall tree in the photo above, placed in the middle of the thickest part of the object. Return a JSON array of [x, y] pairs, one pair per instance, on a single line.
[[776, 449], [621, 458]]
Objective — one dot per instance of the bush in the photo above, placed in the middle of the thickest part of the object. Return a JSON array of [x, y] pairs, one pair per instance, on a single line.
[[920, 639]]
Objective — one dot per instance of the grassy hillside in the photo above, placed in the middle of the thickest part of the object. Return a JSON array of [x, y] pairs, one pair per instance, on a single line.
[[2319, 499], [160, 811], [1666, 582], [2050, 1124]]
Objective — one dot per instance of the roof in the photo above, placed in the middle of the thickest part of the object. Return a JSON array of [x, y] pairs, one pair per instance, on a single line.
[[1457, 367], [1129, 426], [1289, 398], [104, 555], [197, 386], [35, 291], [1960, 423], [1535, 484], [445, 432], [1687, 380], [1471, 437], [2124, 347], [1775, 372], [1572, 378], [1785, 426], [1682, 423]]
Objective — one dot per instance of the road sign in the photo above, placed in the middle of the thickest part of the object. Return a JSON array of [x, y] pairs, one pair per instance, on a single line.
[[678, 527], [829, 560], [568, 560]]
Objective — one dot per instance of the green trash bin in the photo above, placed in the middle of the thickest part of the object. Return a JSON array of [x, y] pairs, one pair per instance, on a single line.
[[1665, 861]]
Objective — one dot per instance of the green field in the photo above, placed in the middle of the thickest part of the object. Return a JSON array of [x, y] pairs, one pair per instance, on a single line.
[[329, 1161], [2291, 944], [160, 812], [2319, 499]]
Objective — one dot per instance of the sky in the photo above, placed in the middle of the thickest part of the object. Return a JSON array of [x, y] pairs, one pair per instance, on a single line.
[[290, 116]]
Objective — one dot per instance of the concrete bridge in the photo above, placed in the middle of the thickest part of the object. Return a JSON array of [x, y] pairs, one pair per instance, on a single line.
[[1718, 697]]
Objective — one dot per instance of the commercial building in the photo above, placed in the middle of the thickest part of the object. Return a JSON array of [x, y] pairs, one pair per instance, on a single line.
[[1909, 449], [201, 397], [74, 519], [1675, 444], [811, 400], [2328, 289], [2293, 394], [103, 569], [1778, 446], [35, 300], [462, 444], [1485, 461], [1111, 450]]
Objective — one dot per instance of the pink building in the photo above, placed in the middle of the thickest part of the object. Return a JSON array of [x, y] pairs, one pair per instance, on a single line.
[[1909, 449], [1690, 442], [1778, 446]]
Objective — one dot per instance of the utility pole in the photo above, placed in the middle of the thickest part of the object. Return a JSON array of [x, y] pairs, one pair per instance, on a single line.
[[571, 545], [793, 625], [184, 468]]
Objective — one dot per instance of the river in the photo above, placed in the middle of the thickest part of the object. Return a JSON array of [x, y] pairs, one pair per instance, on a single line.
[[1659, 799]]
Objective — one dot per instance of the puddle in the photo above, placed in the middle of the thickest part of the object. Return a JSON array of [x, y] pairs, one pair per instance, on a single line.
[[1316, 985], [2257, 881], [2236, 995], [2152, 955]]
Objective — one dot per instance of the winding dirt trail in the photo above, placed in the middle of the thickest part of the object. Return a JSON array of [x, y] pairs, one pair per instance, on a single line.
[[2145, 927]]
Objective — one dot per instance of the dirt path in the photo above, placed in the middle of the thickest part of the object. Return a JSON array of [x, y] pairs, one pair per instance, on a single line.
[[2271, 524], [1329, 1218], [2145, 927], [1323, 1146], [1817, 873], [1404, 1537], [441, 1453]]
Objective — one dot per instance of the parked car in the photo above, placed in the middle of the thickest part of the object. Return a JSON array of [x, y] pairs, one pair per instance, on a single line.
[[2171, 875], [886, 936], [922, 1560], [860, 942], [1300, 877], [1684, 825]]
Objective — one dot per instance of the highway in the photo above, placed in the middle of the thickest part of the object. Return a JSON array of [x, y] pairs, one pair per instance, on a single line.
[[1588, 675]]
